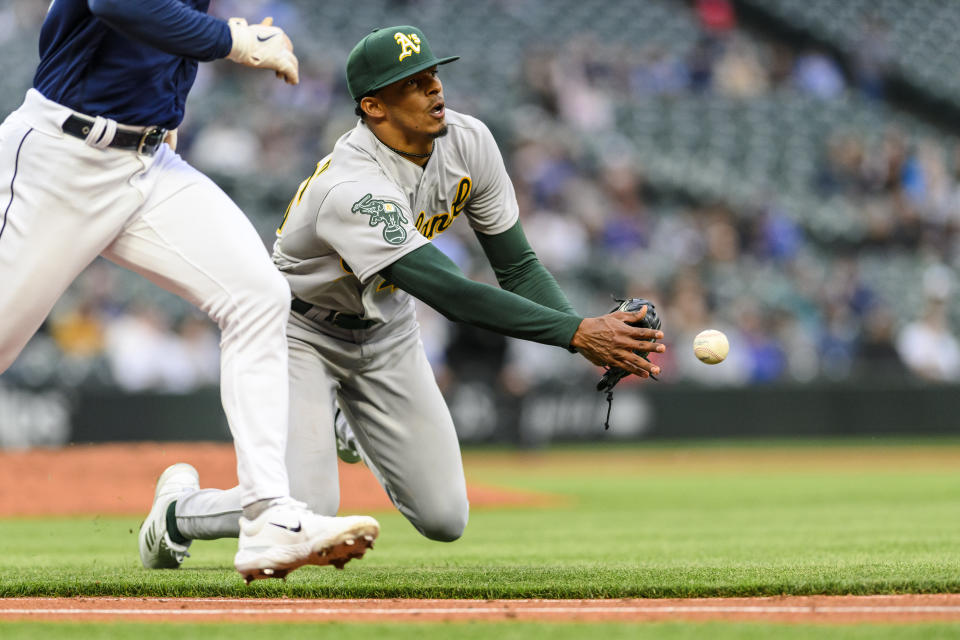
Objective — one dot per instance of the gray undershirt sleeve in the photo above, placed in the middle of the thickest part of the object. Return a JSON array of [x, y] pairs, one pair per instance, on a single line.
[[426, 273]]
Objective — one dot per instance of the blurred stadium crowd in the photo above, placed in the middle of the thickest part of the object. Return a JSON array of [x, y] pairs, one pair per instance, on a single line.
[[751, 175]]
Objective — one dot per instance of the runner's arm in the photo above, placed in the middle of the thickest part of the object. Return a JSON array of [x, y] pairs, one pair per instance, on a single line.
[[168, 25]]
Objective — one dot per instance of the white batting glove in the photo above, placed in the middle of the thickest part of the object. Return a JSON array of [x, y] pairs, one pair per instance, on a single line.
[[264, 46]]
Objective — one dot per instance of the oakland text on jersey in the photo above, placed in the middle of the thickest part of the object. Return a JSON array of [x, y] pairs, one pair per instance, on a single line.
[[441, 221]]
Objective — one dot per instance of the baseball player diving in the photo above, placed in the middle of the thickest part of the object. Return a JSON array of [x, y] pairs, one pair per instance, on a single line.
[[355, 248], [88, 168]]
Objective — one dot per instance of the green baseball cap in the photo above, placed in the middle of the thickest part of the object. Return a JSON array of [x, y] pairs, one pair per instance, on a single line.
[[387, 55]]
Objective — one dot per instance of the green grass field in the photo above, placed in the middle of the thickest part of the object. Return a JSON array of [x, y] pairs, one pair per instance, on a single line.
[[648, 521]]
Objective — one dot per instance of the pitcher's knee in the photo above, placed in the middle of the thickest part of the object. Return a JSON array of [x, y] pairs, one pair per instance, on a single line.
[[444, 525]]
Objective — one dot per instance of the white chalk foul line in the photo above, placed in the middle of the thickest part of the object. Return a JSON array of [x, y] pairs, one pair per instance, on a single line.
[[276, 611]]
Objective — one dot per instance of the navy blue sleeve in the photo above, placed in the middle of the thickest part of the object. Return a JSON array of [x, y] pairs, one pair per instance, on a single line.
[[168, 25]]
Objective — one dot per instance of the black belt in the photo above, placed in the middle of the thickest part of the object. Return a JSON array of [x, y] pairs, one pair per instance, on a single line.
[[337, 318], [145, 142]]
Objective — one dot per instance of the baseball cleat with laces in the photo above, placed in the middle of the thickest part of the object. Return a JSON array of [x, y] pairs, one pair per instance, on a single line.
[[287, 536], [157, 550]]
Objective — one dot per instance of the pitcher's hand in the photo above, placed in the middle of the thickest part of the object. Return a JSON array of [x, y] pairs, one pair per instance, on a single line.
[[612, 342]]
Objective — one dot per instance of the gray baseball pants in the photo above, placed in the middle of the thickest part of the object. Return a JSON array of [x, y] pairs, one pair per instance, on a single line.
[[385, 386]]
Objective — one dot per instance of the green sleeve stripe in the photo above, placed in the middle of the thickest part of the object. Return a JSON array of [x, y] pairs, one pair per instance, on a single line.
[[426, 273], [519, 270]]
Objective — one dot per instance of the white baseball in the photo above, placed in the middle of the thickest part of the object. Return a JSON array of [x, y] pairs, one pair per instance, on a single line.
[[711, 346]]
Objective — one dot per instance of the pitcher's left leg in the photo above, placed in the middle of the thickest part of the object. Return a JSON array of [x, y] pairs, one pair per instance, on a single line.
[[406, 433]]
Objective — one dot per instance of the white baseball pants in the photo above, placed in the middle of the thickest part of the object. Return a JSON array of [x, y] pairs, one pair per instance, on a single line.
[[64, 202]]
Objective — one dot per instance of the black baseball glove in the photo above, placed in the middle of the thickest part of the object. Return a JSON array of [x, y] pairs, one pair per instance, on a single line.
[[650, 321], [614, 375]]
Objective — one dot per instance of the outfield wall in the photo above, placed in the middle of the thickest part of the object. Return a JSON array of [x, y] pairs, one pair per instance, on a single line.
[[50, 417]]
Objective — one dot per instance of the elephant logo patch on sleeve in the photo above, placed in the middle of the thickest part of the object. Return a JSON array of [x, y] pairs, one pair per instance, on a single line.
[[386, 212]]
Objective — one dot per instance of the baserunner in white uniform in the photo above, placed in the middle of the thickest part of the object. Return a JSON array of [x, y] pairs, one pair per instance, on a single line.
[[85, 171], [355, 247]]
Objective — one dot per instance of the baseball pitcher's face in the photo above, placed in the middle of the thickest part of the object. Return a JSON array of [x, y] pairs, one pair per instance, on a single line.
[[414, 106]]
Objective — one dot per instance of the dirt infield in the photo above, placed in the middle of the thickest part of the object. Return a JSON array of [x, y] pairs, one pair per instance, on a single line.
[[119, 479], [788, 609]]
